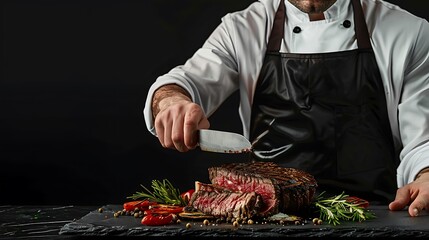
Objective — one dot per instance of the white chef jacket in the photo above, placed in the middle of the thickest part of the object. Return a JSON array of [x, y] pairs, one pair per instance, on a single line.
[[232, 56]]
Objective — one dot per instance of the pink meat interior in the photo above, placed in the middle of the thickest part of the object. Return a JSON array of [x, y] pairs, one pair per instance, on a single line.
[[263, 187]]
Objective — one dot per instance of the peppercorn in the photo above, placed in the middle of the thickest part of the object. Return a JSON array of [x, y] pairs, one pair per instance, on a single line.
[[315, 220]]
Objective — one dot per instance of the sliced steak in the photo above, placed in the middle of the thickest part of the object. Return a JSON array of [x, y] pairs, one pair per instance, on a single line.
[[282, 189], [222, 202]]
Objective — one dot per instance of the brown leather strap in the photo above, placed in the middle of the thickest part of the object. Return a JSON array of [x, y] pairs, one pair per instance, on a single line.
[[361, 29], [277, 32]]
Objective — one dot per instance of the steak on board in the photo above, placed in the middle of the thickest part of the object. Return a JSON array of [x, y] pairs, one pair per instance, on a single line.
[[286, 190]]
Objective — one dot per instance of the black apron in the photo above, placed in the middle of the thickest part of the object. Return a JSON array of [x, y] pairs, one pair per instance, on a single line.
[[326, 114]]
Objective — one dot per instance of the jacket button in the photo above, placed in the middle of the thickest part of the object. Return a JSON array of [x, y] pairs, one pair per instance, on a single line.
[[347, 24], [296, 29]]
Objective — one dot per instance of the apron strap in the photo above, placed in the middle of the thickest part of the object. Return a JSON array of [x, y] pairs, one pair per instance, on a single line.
[[278, 28], [277, 32], [361, 28]]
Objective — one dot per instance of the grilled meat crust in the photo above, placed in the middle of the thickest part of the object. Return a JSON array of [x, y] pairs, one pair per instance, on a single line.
[[282, 189]]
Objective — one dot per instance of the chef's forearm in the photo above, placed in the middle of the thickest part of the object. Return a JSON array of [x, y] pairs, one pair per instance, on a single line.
[[166, 96]]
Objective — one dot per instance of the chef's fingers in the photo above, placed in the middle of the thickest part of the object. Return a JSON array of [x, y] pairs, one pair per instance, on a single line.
[[159, 129], [420, 195], [169, 127], [419, 204], [194, 120], [163, 131], [203, 124], [177, 130], [402, 199]]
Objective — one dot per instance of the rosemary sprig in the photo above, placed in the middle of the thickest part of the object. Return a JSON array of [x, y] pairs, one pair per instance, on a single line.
[[163, 192], [336, 209]]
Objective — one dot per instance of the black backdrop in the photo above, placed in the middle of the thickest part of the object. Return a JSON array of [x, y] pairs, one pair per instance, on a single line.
[[75, 78]]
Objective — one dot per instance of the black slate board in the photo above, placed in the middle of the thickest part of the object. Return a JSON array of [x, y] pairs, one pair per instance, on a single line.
[[387, 224]]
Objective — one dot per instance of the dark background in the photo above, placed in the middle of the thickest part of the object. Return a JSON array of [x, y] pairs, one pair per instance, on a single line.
[[75, 78]]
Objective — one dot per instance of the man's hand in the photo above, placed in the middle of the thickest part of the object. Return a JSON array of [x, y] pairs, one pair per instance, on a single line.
[[415, 194], [177, 118]]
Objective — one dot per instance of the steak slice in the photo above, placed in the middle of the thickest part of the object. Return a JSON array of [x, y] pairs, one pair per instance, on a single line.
[[222, 202], [282, 189]]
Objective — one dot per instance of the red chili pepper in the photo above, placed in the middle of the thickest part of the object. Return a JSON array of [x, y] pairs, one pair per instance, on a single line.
[[156, 212], [141, 205], [186, 196], [163, 208], [359, 201], [157, 219]]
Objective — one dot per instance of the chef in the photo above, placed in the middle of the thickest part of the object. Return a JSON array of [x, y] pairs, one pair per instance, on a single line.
[[338, 88]]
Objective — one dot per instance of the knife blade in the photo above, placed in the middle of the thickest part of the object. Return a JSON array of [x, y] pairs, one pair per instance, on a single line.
[[223, 142]]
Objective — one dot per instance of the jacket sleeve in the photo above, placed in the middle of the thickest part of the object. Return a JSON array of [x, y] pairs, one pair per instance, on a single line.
[[210, 75], [413, 110]]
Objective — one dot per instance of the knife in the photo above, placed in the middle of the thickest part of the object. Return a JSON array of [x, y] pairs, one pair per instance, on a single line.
[[223, 142]]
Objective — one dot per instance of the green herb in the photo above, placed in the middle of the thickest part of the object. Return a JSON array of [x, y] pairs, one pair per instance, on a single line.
[[163, 192], [336, 209]]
